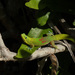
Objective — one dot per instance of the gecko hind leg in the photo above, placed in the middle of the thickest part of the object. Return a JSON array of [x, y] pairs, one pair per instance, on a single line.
[[53, 45]]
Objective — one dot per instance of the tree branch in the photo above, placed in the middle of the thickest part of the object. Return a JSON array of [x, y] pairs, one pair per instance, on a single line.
[[7, 55], [46, 51]]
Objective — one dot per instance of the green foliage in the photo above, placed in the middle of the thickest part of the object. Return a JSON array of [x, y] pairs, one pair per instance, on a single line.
[[25, 51], [33, 4], [37, 32], [50, 6], [43, 19], [74, 23], [53, 5]]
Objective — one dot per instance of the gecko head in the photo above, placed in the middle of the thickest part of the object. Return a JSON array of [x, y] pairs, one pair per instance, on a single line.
[[24, 36]]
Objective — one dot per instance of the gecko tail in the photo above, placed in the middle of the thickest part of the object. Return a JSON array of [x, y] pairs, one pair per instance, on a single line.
[[64, 37]]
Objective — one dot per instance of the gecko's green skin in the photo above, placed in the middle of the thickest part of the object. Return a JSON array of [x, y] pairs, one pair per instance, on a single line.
[[45, 40]]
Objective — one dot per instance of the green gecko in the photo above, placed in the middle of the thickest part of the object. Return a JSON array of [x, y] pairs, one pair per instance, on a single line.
[[45, 40]]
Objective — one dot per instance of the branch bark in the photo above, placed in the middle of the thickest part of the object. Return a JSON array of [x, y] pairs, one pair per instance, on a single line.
[[46, 51], [5, 53]]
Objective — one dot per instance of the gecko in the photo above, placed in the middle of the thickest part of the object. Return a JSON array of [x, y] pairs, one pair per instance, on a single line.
[[45, 40]]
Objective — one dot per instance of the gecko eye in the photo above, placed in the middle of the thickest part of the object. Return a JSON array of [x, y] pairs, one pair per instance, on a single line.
[[25, 37]]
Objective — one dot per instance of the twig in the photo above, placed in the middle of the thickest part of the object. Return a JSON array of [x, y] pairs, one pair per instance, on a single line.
[[41, 65], [66, 27], [55, 64], [67, 45]]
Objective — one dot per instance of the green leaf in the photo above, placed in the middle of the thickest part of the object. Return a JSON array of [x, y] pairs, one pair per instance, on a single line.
[[43, 19], [24, 51], [63, 6], [37, 32], [33, 4], [74, 22]]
